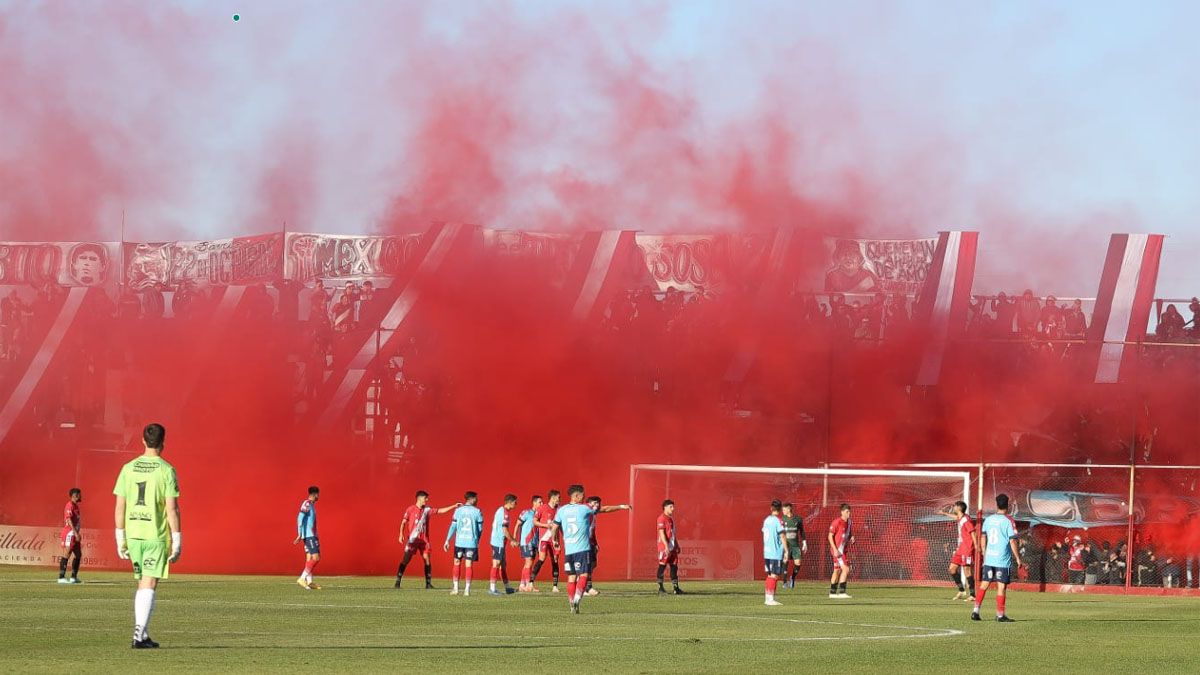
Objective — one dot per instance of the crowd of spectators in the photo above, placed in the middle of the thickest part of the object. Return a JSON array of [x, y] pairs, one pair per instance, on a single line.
[[1075, 559], [1026, 316]]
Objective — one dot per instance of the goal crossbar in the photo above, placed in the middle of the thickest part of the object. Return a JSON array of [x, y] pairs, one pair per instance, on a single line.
[[964, 476]]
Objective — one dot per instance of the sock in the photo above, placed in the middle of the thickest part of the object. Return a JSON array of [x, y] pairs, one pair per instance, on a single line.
[[403, 565], [971, 584], [795, 571], [833, 588], [842, 587], [661, 570], [537, 567], [492, 579], [504, 573], [312, 565], [580, 586], [1000, 604], [467, 576], [956, 577], [454, 574], [675, 575], [307, 573], [571, 590], [75, 567], [143, 607], [428, 573], [554, 569], [979, 598], [771, 584], [62, 568], [524, 576], [589, 584]]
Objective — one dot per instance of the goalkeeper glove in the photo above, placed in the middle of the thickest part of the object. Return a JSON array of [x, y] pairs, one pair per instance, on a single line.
[[122, 548], [176, 545]]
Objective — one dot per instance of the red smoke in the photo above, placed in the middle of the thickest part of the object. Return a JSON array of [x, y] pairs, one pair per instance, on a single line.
[[542, 122]]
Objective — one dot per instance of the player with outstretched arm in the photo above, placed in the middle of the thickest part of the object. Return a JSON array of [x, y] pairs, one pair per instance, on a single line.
[[414, 534], [575, 521]]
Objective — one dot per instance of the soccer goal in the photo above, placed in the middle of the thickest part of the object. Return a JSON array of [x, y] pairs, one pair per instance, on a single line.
[[900, 534]]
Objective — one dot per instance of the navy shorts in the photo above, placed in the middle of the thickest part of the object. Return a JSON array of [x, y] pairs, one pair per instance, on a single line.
[[529, 550], [466, 553], [996, 574], [312, 546], [578, 563], [498, 553], [774, 567]]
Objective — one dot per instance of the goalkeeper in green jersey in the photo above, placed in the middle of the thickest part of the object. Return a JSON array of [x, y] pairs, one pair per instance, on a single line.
[[147, 520], [793, 529]]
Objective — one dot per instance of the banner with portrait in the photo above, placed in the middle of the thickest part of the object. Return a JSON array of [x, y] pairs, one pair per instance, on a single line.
[[876, 265], [65, 263], [342, 256], [237, 261]]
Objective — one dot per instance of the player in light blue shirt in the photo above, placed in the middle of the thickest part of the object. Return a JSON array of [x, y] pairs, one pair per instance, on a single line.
[[575, 520], [999, 539], [466, 529], [775, 550], [501, 535], [528, 543]]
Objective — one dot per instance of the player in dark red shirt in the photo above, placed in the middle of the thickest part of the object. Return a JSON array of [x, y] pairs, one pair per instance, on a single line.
[[668, 547], [963, 561], [548, 539], [71, 543], [840, 538], [414, 534]]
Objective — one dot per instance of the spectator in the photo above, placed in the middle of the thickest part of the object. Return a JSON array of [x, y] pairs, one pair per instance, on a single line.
[[318, 304], [257, 303], [153, 304], [1076, 564], [1005, 310], [342, 314], [1028, 313], [1194, 306], [1075, 321], [1171, 576], [1051, 318], [183, 301], [351, 293], [1170, 324], [368, 292], [129, 307]]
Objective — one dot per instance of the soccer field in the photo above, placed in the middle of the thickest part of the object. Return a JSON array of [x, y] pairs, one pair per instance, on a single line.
[[261, 624]]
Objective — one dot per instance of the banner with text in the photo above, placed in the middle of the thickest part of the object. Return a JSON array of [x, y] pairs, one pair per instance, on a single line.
[[65, 263], [877, 265], [218, 262], [339, 256], [713, 262], [553, 254], [23, 545]]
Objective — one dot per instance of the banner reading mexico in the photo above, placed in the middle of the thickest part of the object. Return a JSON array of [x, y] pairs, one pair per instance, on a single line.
[[338, 256], [877, 265], [217, 262], [65, 263]]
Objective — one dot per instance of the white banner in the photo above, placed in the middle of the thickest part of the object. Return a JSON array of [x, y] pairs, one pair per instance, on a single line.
[[22, 545], [717, 560]]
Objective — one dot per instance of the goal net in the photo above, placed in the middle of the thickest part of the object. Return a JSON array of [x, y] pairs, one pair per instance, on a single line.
[[896, 519]]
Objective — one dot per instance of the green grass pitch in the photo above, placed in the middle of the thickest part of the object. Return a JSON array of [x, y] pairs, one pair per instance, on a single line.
[[268, 624]]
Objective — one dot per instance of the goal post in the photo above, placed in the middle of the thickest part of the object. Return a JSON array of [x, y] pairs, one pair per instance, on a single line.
[[900, 532]]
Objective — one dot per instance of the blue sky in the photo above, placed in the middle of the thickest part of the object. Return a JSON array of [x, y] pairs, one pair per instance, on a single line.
[[1045, 125]]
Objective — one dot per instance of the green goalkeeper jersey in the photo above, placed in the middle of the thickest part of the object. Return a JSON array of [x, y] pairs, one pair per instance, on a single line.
[[146, 483]]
